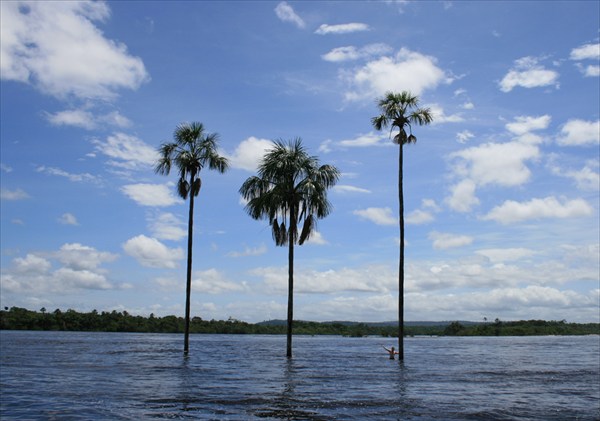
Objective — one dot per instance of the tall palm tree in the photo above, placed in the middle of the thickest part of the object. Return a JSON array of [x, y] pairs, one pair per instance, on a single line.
[[401, 111], [191, 150], [291, 188]]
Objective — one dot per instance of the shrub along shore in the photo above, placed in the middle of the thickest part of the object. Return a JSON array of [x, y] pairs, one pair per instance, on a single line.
[[17, 318]]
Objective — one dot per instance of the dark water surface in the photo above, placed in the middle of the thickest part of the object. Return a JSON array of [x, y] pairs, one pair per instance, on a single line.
[[124, 376]]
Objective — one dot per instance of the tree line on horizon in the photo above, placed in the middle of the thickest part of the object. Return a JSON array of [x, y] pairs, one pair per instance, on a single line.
[[16, 318]]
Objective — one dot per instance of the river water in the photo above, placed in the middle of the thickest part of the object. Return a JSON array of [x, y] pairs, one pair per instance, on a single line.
[[127, 376]]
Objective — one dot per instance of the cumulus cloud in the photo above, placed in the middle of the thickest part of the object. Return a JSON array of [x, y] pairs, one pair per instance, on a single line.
[[286, 13], [440, 117], [380, 216], [212, 281], [151, 194], [462, 196], [68, 219], [550, 207], [526, 124], [407, 70], [77, 256], [81, 270], [578, 132], [496, 163], [528, 73], [127, 151], [502, 255], [167, 226], [249, 153], [349, 53], [56, 47], [18, 194], [464, 136], [152, 253], [343, 28], [86, 119], [442, 240], [587, 52]]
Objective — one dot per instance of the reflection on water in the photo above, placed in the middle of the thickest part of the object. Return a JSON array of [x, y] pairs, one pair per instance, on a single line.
[[60, 375]]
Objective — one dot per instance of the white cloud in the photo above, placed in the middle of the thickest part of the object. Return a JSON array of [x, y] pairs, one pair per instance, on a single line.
[[18, 194], [585, 179], [286, 13], [349, 53], [578, 132], [56, 47], [506, 254], [129, 151], [84, 279], [166, 226], [76, 178], [5, 168], [77, 118], [212, 281], [419, 217], [407, 70], [525, 124], [364, 140], [86, 120], [443, 240], [249, 251], [152, 253], [76, 256], [468, 106], [462, 197], [549, 207], [380, 216], [68, 219], [151, 194], [497, 163], [344, 188], [249, 153], [527, 73], [316, 238], [31, 264], [439, 117], [590, 70], [464, 136], [586, 52], [343, 28]]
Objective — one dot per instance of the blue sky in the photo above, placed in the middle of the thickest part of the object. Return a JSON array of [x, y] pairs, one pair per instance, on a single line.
[[501, 192]]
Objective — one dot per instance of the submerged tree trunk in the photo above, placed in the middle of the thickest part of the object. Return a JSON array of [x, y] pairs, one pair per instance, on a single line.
[[401, 263], [290, 309], [188, 289]]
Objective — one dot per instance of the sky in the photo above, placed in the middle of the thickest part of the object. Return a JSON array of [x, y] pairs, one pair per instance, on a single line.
[[501, 190]]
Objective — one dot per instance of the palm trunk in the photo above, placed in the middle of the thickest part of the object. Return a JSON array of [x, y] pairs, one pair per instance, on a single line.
[[401, 263], [188, 291], [290, 310]]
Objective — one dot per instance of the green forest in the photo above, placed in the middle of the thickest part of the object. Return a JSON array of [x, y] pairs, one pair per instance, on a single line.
[[17, 318]]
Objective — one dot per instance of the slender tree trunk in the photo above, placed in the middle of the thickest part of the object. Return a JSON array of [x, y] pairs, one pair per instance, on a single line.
[[290, 309], [401, 263], [188, 290]]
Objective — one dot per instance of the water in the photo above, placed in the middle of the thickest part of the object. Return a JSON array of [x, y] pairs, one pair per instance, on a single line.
[[123, 376]]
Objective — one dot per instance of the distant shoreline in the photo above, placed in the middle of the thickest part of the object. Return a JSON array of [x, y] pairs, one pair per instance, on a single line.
[[17, 318]]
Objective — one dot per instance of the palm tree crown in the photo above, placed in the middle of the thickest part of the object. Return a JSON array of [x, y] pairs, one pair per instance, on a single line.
[[290, 187], [190, 151], [401, 110]]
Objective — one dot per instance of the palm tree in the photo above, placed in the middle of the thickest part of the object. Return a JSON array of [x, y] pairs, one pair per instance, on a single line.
[[191, 150], [291, 188], [401, 111]]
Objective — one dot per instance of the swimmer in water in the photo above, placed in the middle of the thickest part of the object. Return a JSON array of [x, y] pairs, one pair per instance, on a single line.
[[392, 352]]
